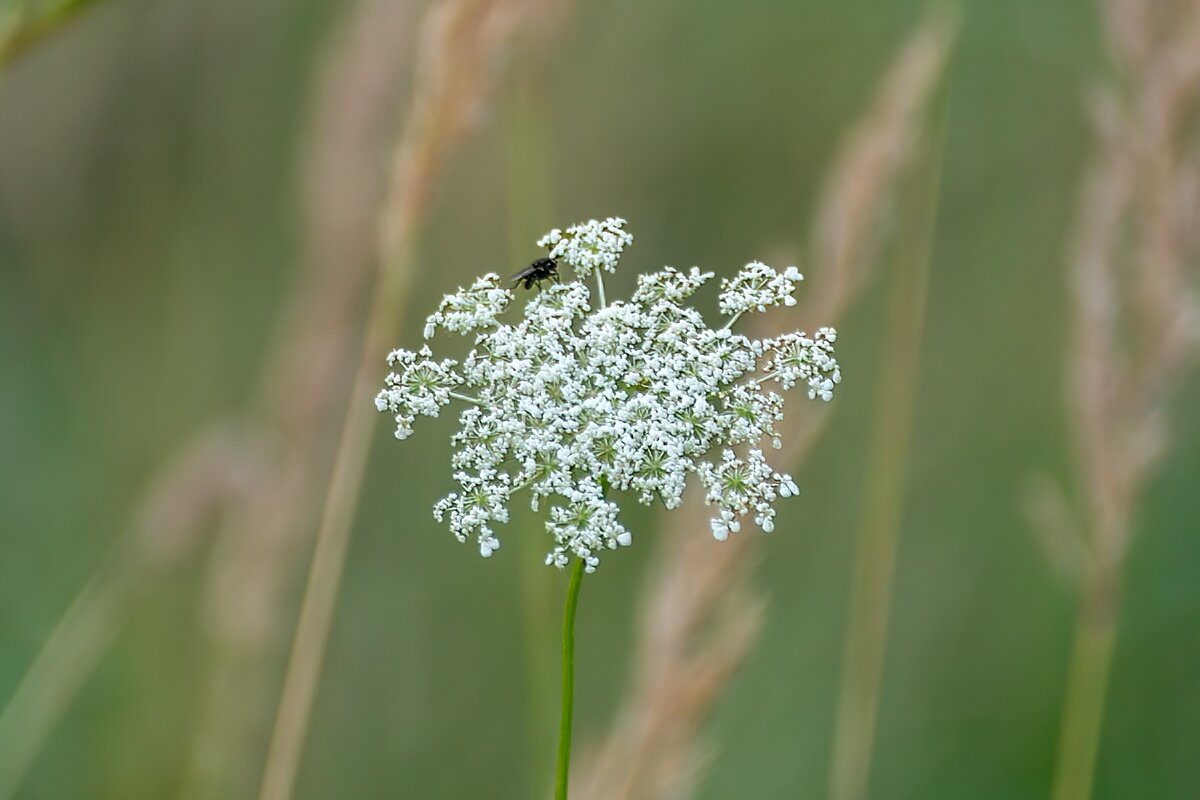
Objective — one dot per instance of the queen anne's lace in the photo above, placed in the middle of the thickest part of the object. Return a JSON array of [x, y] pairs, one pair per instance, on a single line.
[[589, 246], [579, 405]]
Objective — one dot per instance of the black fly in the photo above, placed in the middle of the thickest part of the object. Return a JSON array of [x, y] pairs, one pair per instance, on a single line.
[[544, 269]]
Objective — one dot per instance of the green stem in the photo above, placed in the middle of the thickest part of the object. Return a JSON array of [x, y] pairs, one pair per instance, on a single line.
[[568, 681], [1087, 686]]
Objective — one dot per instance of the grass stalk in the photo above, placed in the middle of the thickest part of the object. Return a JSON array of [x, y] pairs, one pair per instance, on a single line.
[[333, 537], [301, 393], [1087, 687], [166, 531], [700, 617], [80, 639], [31, 23], [875, 561], [529, 202], [1133, 332], [461, 40]]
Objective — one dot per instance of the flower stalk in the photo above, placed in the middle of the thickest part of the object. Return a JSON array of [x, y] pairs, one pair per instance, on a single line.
[[568, 683]]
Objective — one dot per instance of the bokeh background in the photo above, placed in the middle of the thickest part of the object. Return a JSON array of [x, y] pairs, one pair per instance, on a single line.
[[154, 218]]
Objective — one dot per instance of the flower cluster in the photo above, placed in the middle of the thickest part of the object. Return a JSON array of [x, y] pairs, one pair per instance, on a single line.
[[589, 246], [758, 286], [580, 405]]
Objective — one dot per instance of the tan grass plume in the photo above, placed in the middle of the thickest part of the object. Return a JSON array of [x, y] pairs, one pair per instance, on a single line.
[[246, 605], [462, 42], [1134, 326], [699, 616]]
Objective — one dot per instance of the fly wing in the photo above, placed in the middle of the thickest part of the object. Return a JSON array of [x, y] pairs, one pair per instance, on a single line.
[[528, 272]]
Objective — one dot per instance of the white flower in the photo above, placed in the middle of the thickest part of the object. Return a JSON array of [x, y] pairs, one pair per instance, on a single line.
[[798, 358], [758, 286], [421, 386], [589, 245], [582, 406], [471, 309]]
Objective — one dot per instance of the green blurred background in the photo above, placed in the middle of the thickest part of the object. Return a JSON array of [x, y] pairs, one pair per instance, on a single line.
[[150, 230]]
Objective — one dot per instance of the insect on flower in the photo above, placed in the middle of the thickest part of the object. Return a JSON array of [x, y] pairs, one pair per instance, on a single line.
[[544, 269]]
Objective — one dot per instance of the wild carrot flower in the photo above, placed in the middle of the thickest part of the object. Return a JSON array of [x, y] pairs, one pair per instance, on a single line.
[[582, 403]]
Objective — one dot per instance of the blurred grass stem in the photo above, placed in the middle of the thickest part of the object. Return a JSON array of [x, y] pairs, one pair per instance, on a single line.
[[568, 682], [165, 532], [80, 639], [700, 616], [1087, 685], [333, 537], [30, 23], [461, 41], [530, 214], [875, 562], [1135, 327], [247, 606]]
